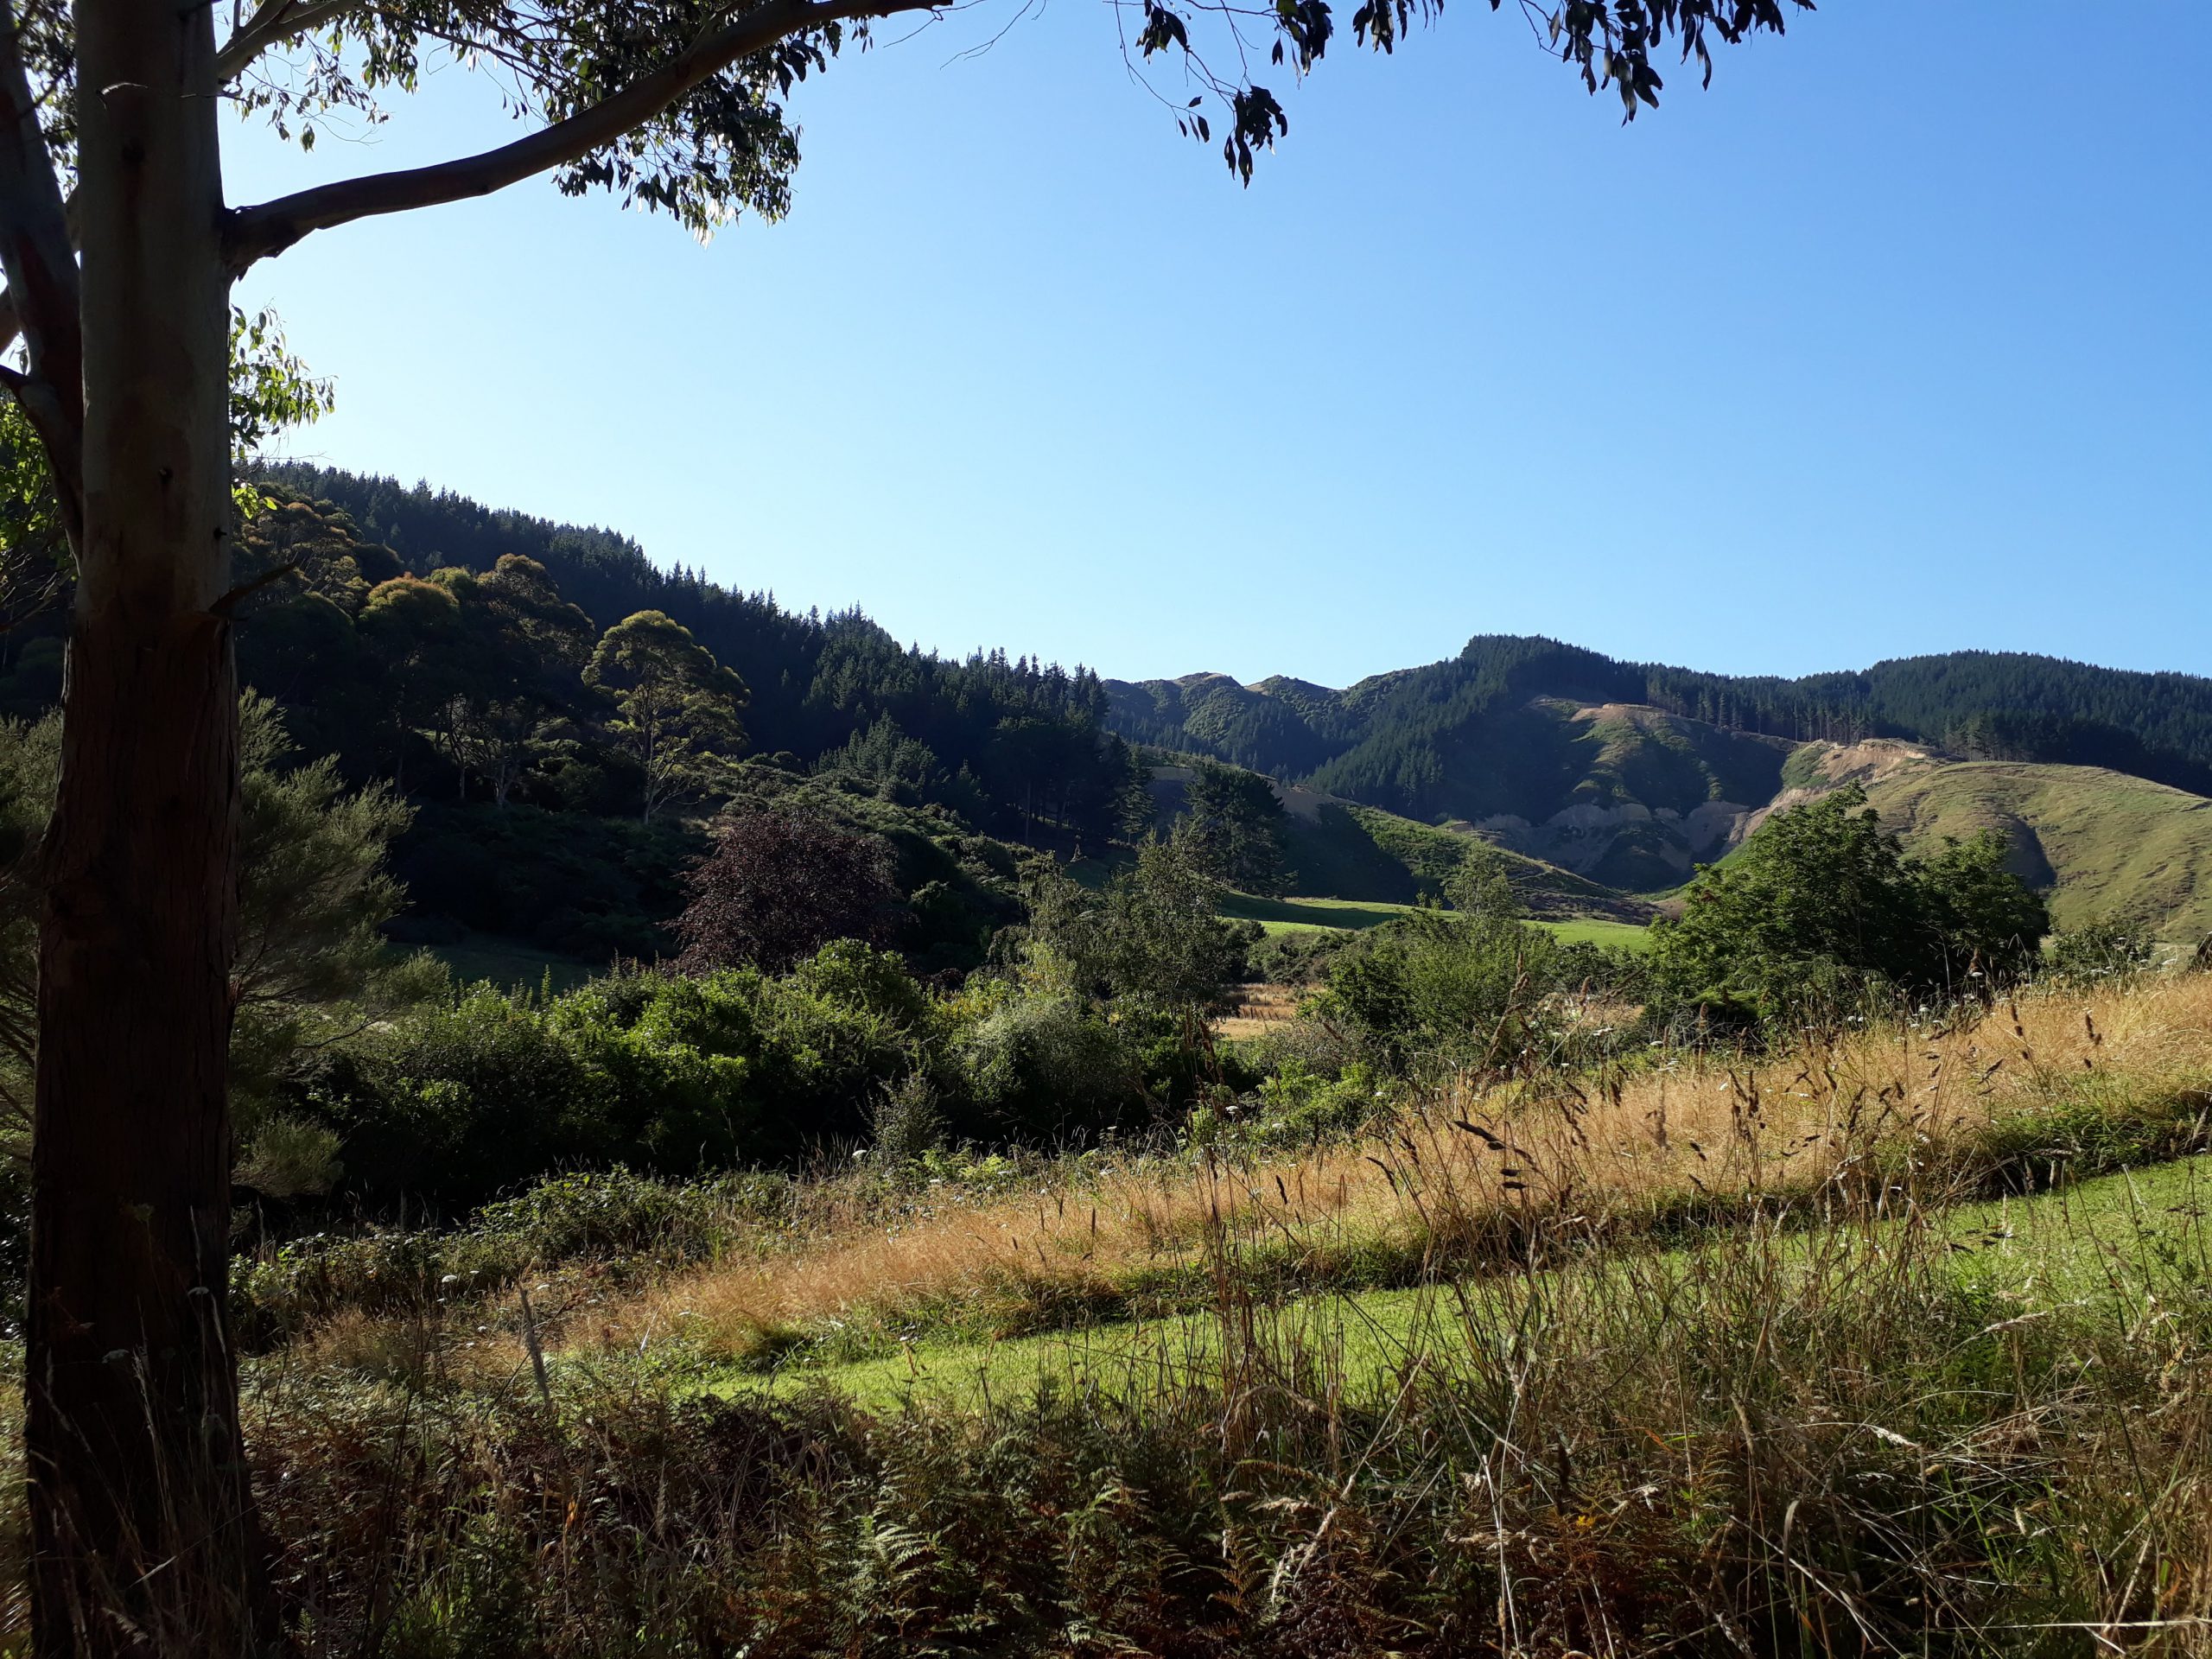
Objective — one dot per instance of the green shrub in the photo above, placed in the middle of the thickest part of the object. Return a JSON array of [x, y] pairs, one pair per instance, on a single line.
[[1299, 1106], [450, 1103], [1042, 1065], [1312, 1044], [2107, 950], [454, 1103], [1435, 989], [1821, 909]]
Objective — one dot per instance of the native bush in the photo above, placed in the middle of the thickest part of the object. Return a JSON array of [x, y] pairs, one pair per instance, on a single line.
[[450, 1103], [1155, 937], [1821, 908], [455, 1102], [1438, 989], [1042, 1065], [2104, 950], [1294, 1105]]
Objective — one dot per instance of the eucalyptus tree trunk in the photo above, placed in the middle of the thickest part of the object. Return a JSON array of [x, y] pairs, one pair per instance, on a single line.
[[140, 1510]]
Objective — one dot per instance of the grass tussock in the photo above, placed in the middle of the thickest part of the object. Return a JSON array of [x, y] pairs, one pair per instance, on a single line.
[[1454, 1180]]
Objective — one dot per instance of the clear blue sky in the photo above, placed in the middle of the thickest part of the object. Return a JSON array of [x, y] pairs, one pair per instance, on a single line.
[[1895, 341]]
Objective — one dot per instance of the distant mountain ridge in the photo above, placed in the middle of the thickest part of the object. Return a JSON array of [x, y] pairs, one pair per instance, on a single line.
[[1478, 735]]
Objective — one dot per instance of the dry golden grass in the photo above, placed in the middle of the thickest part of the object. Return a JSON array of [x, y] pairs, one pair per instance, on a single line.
[[1257, 1009], [1458, 1165]]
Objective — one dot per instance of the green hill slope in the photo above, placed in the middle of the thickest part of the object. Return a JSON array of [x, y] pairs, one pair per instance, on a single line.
[[2102, 843], [2103, 846]]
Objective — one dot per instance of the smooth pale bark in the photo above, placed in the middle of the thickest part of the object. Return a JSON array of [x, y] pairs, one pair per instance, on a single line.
[[141, 1509]]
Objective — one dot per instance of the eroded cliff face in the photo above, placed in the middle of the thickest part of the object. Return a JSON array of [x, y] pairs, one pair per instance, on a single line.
[[1631, 846], [1640, 848]]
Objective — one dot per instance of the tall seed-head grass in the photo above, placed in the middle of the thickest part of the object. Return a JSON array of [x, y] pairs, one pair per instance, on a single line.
[[1474, 1169], [1768, 1440]]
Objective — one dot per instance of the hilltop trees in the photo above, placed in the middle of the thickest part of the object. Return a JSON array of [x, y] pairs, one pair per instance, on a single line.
[[675, 707], [414, 628], [121, 299], [528, 646], [470, 683]]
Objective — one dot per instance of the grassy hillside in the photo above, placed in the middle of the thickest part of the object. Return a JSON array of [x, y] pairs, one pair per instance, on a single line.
[[2100, 845], [1649, 1159], [1721, 1356], [2106, 846], [2035, 1252]]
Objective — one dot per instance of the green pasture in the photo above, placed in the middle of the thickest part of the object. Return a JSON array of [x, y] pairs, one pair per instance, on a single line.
[[2101, 1240], [1306, 915], [1303, 915]]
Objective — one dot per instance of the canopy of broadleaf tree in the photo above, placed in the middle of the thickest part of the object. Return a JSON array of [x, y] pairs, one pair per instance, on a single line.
[[120, 251]]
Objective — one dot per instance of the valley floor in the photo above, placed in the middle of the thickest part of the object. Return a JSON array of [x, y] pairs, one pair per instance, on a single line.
[[1279, 916]]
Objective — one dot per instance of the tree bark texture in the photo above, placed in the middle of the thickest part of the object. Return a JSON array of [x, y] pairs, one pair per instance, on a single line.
[[141, 1513]]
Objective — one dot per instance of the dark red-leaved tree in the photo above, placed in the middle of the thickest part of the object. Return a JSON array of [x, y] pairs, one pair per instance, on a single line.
[[780, 885]]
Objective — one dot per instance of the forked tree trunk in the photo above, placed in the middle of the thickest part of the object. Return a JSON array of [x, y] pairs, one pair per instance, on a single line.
[[140, 1510]]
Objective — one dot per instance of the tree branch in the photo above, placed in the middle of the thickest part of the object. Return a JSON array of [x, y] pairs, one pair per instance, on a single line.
[[257, 232], [41, 265], [11, 323], [275, 20]]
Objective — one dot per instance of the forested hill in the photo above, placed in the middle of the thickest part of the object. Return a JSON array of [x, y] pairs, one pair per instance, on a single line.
[[1447, 739], [557, 720], [816, 682]]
